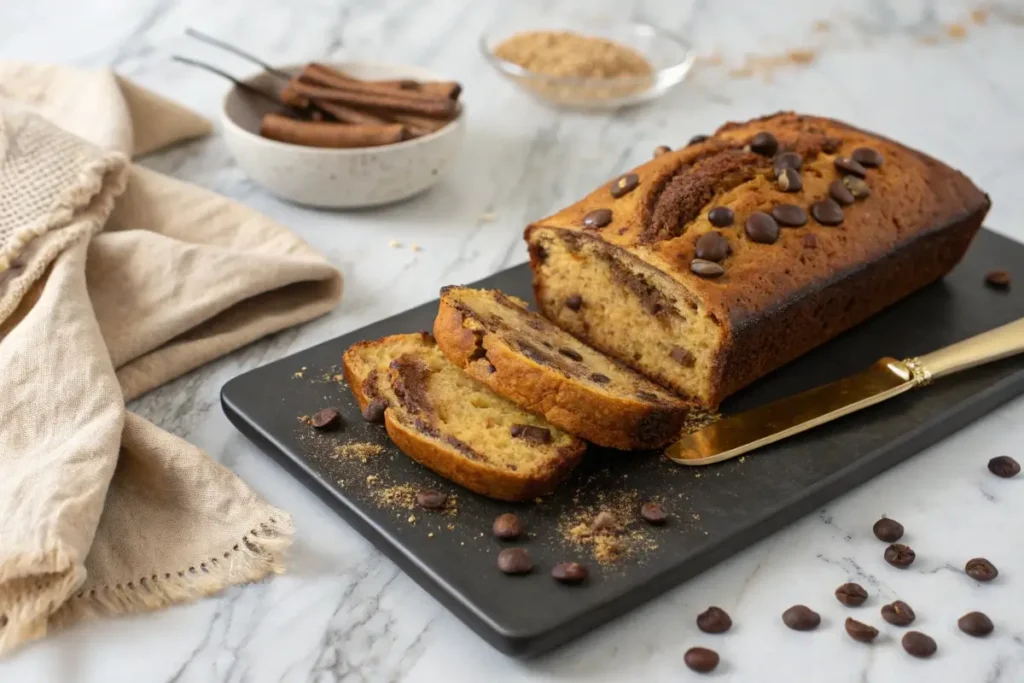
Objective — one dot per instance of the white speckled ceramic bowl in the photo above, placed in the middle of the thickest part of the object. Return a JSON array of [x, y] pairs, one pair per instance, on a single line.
[[337, 178]]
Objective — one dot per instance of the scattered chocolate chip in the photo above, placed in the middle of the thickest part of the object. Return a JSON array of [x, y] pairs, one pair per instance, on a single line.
[[604, 521], [801, 618], [848, 165], [531, 433], [851, 594], [789, 215], [515, 561], [326, 420], [431, 499], [918, 644], [507, 527], [981, 569], [1004, 466], [661, 149], [786, 160], [860, 631], [374, 410], [998, 279], [760, 227], [701, 659], [569, 353], [841, 193], [569, 572], [790, 181], [696, 139], [827, 212], [714, 620], [857, 186], [888, 530], [764, 144], [975, 624], [810, 240], [574, 302], [707, 269], [625, 184], [682, 356], [711, 246], [599, 378], [899, 555], [898, 613], [865, 156], [721, 216], [653, 513], [598, 218]]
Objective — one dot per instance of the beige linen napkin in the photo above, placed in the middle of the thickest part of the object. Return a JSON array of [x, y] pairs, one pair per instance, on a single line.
[[113, 280]]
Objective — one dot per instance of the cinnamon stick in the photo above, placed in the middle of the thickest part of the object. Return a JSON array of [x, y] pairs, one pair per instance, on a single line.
[[422, 124], [322, 74], [357, 94], [351, 115], [332, 135]]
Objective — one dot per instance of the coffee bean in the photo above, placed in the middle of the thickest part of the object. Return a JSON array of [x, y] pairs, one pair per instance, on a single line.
[[515, 561], [801, 618], [326, 420], [569, 572], [790, 181], [981, 569], [789, 215], [711, 246], [598, 218], [374, 410], [574, 302], [531, 433], [599, 378], [865, 156], [697, 139], [810, 240], [507, 527], [860, 631], [786, 160], [714, 620], [653, 513], [888, 530], [604, 521], [569, 353], [701, 659], [760, 227], [1004, 466], [841, 193], [851, 594], [858, 187], [661, 149], [827, 212], [764, 144], [721, 216], [975, 624], [898, 613], [682, 356], [899, 555], [430, 499], [625, 184], [708, 269], [918, 644], [998, 279], [848, 165]]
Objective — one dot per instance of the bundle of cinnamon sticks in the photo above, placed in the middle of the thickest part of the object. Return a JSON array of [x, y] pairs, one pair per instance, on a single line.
[[334, 109]]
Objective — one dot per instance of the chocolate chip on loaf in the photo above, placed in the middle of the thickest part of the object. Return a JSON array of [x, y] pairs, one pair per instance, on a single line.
[[838, 191], [374, 410], [598, 218], [865, 156], [531, 433], [827, 212], [765, 144], [574, 302], [789, 215], [711, 246], [707, 269], [790, 181], [760, 227], [696, 139], [599, 378], [858, 187], [848, 165], [721, 216], [570, 353], [661, 149], [624, 184], [786, 160], [682, 356]]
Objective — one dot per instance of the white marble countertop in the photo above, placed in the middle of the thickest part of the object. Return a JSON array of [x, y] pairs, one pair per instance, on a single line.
[[345, 613]]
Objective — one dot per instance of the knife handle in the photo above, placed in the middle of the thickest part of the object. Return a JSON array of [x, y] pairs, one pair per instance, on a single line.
[[986, 347]]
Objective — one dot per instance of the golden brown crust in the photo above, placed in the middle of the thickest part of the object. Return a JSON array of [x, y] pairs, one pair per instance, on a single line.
[[620, 422]]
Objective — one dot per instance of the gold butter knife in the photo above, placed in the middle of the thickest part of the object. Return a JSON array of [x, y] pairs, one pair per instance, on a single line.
[[888, 377]]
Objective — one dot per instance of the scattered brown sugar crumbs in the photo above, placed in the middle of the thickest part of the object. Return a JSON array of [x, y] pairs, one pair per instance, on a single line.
[[306, 420], [610, 529], [402, 496], [372, 479], [957, 31], [358, 451], [300, 373]]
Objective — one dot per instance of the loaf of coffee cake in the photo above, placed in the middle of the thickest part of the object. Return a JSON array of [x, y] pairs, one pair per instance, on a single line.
[[712, 265]]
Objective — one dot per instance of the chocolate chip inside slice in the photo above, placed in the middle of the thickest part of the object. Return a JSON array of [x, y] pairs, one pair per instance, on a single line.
[[569, 353], [661, 149], [431, 499], [711, 246], [569, 572], [515, 561], [507, 527], [624, 184], [1004, 466], [975, 624], [838, 191], [653, 513], [574, 302], [865, 156], [981, 569], [858, 187], [598, 218], [827, 212], [848, 165], [900, 555], [326, 420], [682, 356], [374, 410], [714, 620], [860, 631], [762, 228], [918, 644], [851, 594], [998, 279], [765, 144], [706, 269], [789, 180], [599, 378], [721, 216], [898, 613], [701, 659], [789, 215], [786, 160], [888, 530], [531, 433], [801, 618]]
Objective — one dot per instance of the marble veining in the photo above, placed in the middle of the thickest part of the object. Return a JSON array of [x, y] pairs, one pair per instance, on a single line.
[[345, 613]]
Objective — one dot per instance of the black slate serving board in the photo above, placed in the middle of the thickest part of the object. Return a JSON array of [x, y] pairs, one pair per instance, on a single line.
[[717, 510]]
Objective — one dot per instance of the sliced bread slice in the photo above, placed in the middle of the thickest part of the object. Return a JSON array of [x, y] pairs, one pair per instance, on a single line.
[[497, 340], [454, 425]]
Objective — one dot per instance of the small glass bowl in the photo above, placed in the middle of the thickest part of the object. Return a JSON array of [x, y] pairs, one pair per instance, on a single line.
[[670, 56]]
